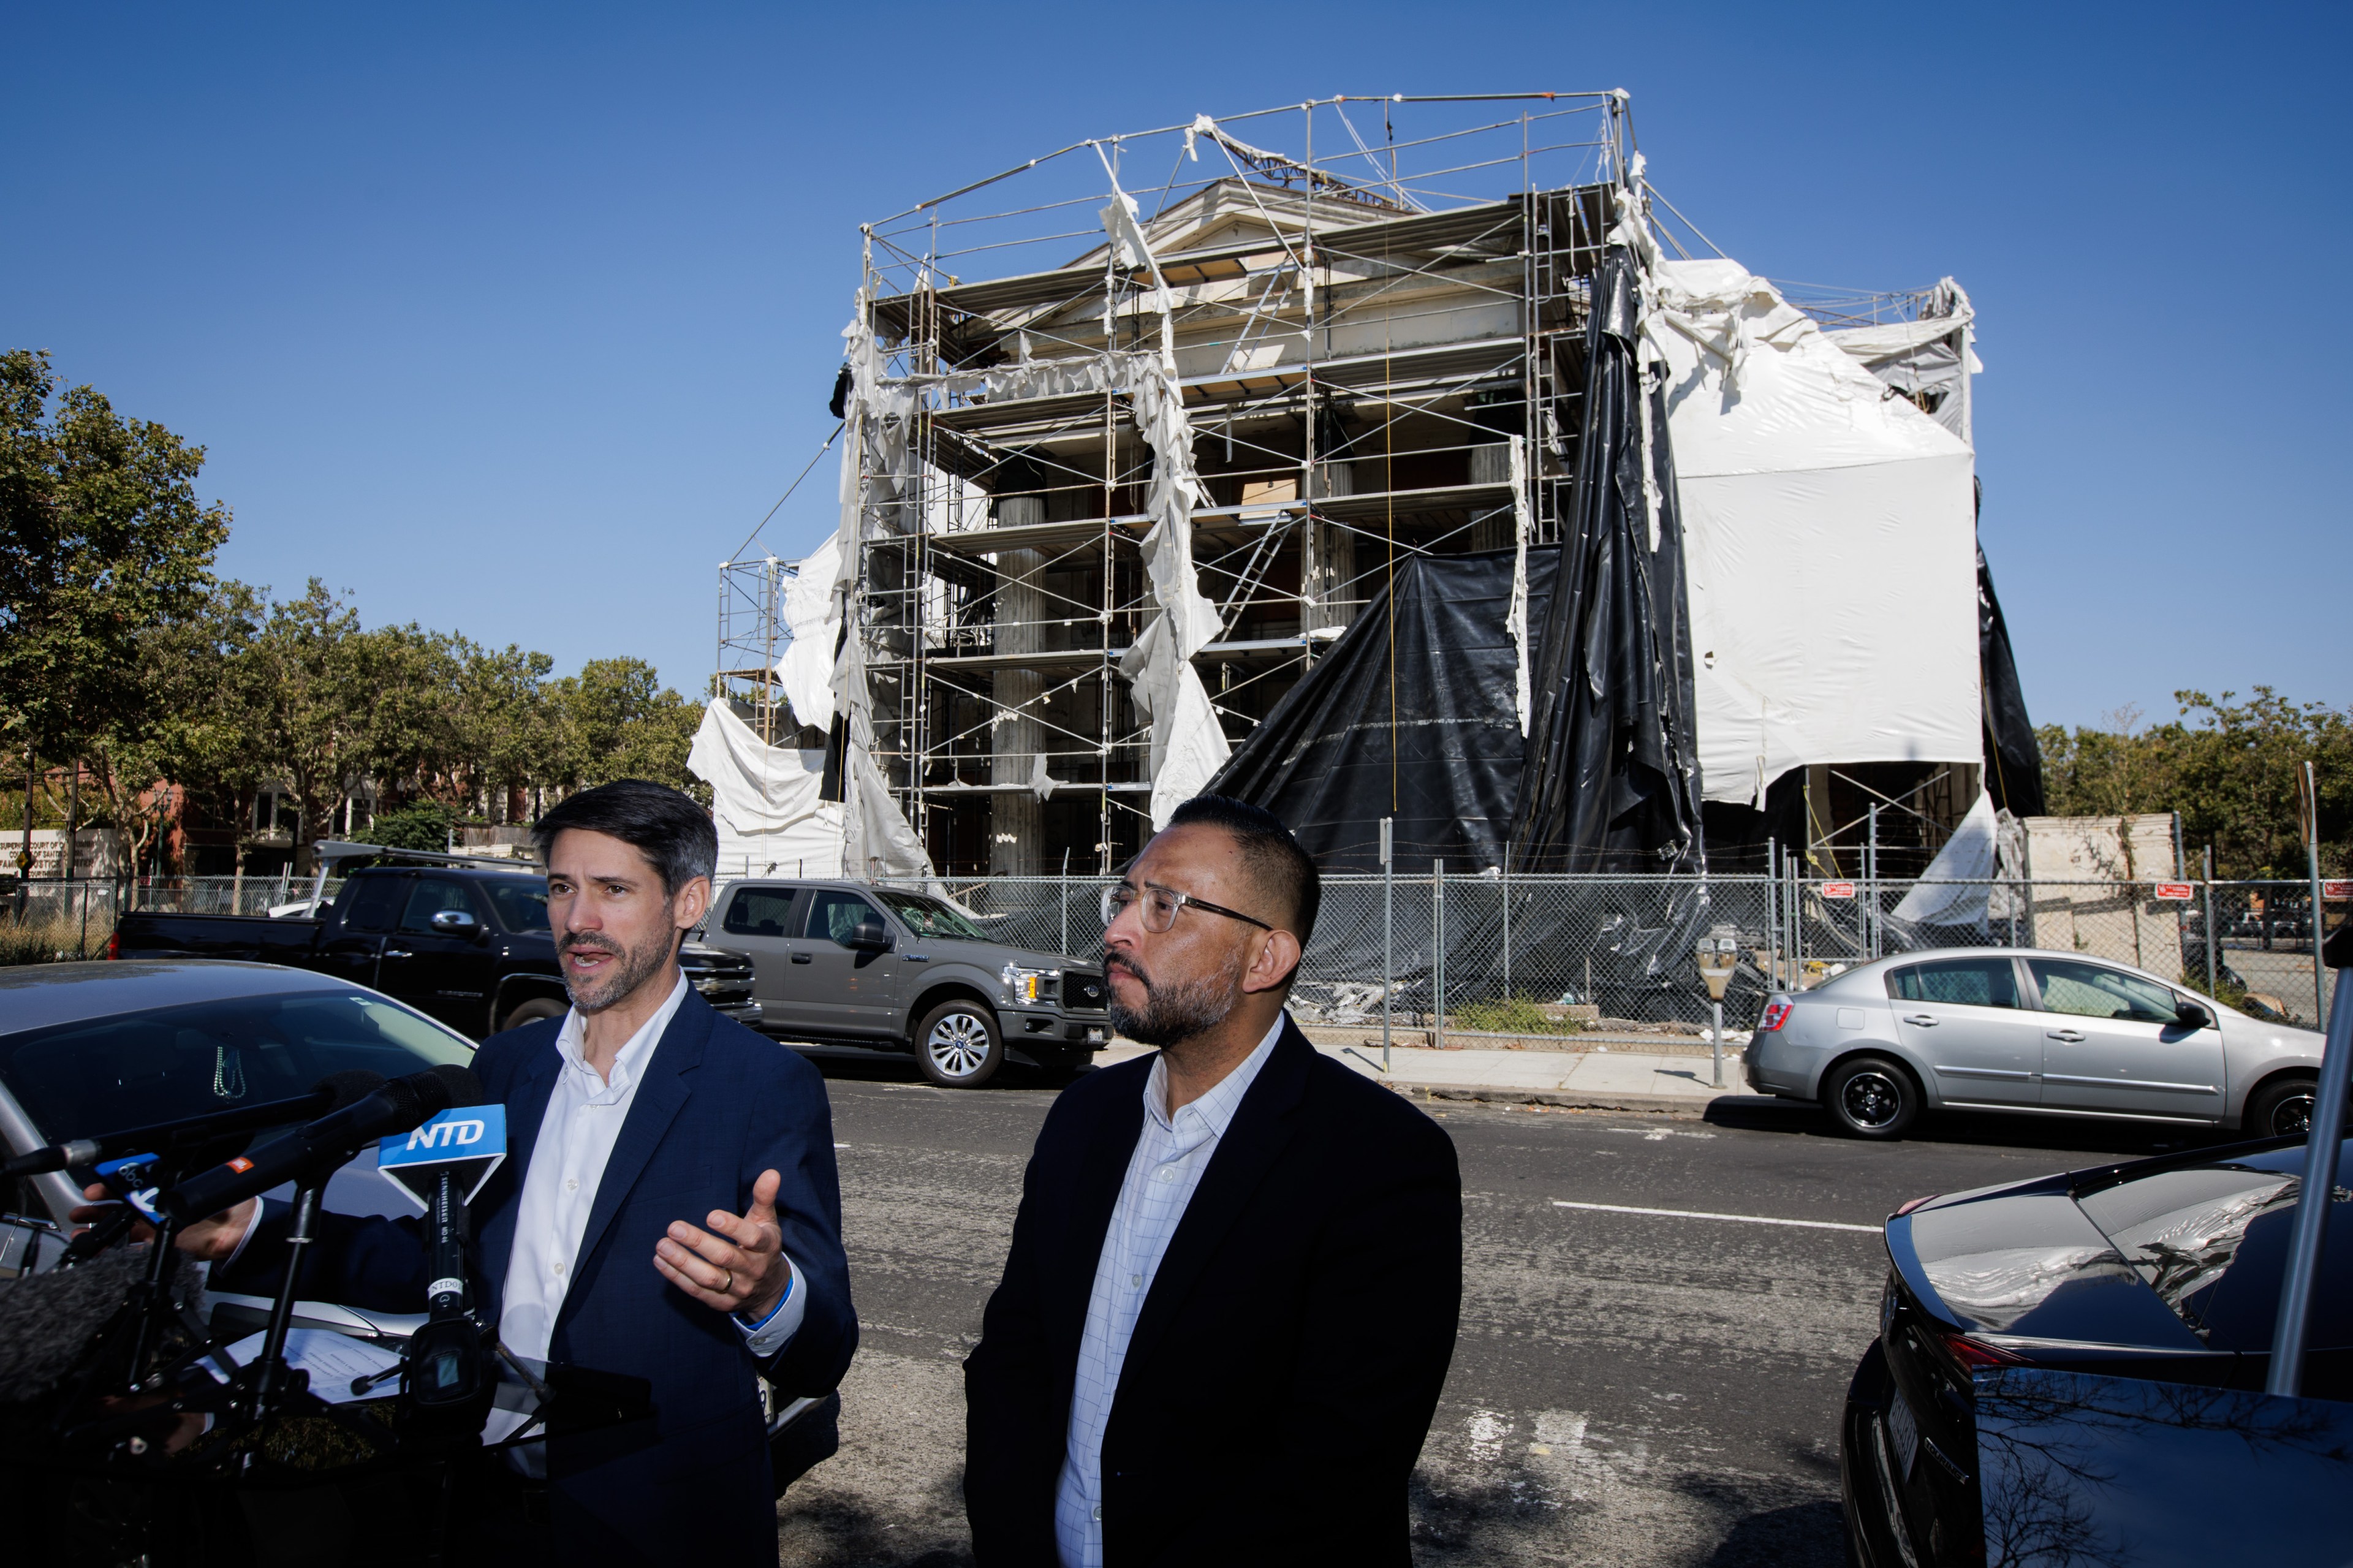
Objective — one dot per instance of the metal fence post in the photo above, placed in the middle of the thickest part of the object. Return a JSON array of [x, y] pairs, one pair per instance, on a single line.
[[2212, 974], [1507, 924], [2312, 853], [1438, 954], [82, 949], [1388, 937], [1066, 901], [1773, 914], [1871, 881]]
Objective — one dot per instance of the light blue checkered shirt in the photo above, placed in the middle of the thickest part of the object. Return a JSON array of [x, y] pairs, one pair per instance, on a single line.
[[1170, 1155]]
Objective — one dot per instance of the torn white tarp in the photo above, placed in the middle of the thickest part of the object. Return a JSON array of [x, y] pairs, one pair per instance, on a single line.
[[1515, 619], [813, 621], [1954, 890], [763, 801], [1829, 531], [1929, 360]]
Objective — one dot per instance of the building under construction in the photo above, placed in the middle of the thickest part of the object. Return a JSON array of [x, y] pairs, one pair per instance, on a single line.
[[1135, 434]]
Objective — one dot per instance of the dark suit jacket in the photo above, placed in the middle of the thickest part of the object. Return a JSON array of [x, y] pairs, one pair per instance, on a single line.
[[1288, 1358], [718, 1105]]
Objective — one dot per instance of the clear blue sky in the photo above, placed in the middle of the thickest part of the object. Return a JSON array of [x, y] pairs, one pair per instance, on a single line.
[[513, 320]]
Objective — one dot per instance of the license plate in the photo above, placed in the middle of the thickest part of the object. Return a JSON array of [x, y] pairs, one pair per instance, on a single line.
[[1902, 1435], [1094, 1034]]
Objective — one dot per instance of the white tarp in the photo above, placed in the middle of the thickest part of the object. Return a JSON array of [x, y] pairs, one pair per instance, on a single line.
[[1954, 889], [1931, 357], [813, 621], [763, 801], [1830, 537]]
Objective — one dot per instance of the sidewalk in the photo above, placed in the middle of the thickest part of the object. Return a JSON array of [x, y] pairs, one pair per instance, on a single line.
[[1612, 1079]]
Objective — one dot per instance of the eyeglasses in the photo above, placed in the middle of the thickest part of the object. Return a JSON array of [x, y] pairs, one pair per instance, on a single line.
[[1160, 906]]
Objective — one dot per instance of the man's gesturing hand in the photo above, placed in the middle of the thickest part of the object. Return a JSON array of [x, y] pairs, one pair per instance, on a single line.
[[742, 1268], [213, 1240]]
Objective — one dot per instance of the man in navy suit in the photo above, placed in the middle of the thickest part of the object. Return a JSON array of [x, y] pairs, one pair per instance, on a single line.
[[668, 1210], [1231, 1295]]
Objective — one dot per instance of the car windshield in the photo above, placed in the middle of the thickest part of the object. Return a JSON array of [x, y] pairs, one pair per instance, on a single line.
[[2212, 1240], [521, 906], [929, 917], [135, 1069]]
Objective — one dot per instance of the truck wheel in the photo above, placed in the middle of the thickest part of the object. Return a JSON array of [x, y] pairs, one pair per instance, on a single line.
[[1870, 1097], [957, 1046], [2280, 1109], [533, 1011]]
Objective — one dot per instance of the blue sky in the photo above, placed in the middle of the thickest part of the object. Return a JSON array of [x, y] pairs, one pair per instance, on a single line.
[[513, 321]]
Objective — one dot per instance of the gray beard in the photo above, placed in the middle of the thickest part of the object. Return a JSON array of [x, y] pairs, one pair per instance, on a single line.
[[633, 971], [1177, 1010]]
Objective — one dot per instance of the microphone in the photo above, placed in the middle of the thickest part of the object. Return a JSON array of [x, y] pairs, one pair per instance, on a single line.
[[396, 1107], [331, 1093], [443, 1163]]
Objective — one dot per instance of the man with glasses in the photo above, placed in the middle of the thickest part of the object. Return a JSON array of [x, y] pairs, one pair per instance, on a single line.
[[1235, 1274]]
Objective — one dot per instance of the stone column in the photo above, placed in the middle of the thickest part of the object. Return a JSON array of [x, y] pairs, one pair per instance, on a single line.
[[1491, 464], [1016, 829], [1331, 554]]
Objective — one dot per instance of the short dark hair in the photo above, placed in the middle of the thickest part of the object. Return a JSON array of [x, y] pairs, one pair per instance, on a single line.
[[1272, 856], [670, 829]]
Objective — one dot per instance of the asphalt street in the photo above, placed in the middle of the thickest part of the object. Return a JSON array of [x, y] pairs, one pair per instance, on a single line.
[[1636, 1388]]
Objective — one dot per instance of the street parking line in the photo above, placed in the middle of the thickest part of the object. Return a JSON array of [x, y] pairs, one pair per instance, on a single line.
[[1739, 1218]]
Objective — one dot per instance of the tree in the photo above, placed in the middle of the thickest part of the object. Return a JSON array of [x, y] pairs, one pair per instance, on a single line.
[[184, 717], [314, 683], [2230, 769], [101, 542], [424, 824], [616, 721]]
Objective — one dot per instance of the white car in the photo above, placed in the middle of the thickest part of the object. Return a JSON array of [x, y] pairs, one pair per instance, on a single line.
[[2024, 1030]]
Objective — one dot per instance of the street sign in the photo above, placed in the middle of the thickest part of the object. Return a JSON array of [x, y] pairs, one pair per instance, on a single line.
[[2339, 891], [2178, 890], [1838, 890]]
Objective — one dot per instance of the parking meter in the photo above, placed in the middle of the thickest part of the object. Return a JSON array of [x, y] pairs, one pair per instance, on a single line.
[[1718, 953]]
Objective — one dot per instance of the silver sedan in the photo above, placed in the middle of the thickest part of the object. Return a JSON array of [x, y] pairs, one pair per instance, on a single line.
[[2023, 1030]]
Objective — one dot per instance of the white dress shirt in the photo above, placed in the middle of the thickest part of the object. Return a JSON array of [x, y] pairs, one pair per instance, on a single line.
[[585, 1116], [1170, 1155]]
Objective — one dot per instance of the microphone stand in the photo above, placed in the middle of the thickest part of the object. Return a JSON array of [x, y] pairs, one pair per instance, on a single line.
[[272, 1378]]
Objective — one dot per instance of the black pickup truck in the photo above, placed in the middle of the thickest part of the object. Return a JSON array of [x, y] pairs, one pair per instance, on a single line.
[[468, 945]]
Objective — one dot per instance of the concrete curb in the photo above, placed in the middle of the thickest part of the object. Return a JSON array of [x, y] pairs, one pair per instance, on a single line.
[[1688, 1104]]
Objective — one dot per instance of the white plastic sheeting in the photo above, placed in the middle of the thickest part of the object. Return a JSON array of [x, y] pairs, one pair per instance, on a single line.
[[1931, 357], [813, 621], [764, 802], [1829, 536]]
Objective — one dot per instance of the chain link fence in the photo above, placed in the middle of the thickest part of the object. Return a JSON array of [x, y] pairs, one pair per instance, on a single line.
[[53, 921], [1536, 956]]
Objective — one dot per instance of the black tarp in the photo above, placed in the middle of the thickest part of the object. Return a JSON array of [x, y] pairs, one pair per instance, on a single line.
[[1409, 715], [1611, 780], [2013, 762]]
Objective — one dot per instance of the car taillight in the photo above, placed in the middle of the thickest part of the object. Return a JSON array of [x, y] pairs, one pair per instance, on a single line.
[[1776, 1013], [1975, 1355]]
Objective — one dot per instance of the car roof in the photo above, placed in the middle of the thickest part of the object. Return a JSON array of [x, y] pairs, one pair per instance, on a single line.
[[36, 995]]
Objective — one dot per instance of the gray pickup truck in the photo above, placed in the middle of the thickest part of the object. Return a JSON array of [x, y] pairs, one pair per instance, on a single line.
[[840, 963]]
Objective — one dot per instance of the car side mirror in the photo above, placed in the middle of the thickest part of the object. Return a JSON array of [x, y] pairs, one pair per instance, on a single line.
[[455, 923], [868, 936], [2190, 1016]]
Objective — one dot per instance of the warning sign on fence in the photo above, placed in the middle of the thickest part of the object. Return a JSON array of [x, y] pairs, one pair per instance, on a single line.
[[1838, 890], [2180, 891], [2336, 890]]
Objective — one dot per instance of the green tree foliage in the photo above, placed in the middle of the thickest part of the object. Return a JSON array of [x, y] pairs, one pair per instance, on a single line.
[[101, 542], [615, 720], [422, 824], [2230, 769]]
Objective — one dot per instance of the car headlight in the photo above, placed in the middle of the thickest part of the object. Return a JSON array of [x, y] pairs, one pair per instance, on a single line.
[[1029, 985]]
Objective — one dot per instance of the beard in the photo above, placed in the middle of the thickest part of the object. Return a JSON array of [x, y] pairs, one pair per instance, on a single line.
[[636, 966], [1174, 1010]]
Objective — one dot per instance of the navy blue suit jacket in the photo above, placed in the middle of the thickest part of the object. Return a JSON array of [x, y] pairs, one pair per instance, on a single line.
[[718, 1105], [1288, 1358]]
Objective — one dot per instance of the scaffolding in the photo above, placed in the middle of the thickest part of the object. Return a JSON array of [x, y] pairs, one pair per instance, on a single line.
[[1373, 310]]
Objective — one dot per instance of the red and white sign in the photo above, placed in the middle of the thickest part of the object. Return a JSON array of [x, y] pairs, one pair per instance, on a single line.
[[2339, 891], [2182, 891], [1838, 890]]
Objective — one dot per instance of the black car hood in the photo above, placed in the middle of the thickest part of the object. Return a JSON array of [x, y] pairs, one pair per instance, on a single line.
[[2029, 1263]]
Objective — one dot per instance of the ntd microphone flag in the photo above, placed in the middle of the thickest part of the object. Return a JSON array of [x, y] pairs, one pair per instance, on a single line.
[[467, 1142]]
